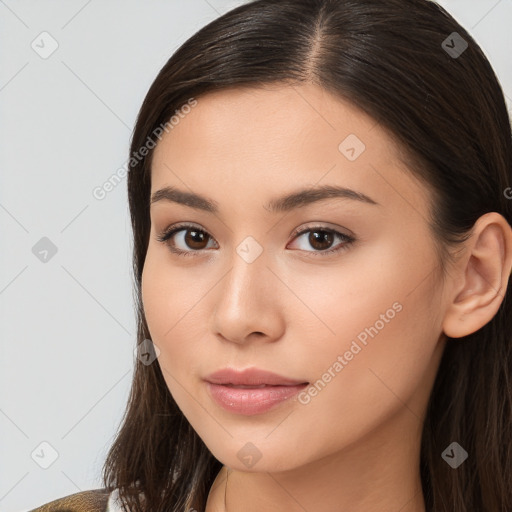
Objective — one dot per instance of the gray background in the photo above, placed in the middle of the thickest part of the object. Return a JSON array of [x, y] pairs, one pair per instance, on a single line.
[[67, 324]]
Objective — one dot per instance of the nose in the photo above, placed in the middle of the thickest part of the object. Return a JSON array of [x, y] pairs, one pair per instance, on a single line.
[[248, 304]]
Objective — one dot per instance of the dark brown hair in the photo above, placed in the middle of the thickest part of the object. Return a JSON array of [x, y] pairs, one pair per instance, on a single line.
[[447, 112]]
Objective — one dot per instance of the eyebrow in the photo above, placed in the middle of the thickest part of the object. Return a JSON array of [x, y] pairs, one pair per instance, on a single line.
[[297, 199]]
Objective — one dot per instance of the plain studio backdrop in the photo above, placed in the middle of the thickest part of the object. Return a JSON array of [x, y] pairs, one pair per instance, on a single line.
[[73, 75]]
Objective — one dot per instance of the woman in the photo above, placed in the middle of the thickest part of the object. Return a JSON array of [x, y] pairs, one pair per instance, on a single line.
[[320, 200]]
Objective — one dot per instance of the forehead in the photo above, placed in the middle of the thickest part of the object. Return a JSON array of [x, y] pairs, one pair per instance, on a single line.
[[253, 141], [276, 116]]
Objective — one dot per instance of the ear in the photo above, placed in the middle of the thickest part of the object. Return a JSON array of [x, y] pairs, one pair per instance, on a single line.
[[482, 277]]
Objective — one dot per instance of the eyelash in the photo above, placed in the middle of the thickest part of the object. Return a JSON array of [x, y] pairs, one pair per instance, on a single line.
[[168, 233]]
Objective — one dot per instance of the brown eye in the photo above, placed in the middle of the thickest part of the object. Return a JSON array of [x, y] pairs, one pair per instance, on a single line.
[[195, 239], [320, 239], [185, 239]]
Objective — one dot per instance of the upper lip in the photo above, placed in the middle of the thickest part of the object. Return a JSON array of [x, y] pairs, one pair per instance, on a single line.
[[250, 377]]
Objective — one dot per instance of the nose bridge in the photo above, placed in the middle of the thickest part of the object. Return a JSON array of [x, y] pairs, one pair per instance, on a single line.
[[248, 279], [245, 300]]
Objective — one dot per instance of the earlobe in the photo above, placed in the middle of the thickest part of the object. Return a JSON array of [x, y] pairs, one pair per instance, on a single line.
[[484, 271]]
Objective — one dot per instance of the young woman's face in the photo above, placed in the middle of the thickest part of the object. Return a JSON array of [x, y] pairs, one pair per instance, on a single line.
[[282, 288]]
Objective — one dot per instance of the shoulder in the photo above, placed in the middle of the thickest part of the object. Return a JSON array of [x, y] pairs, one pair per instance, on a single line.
[[94, 500]]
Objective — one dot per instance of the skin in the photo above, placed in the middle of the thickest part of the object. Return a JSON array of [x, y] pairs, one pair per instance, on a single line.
[[355, 445]]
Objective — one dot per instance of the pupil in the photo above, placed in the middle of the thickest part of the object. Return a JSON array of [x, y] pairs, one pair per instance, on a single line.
[[325, 240], [195, 244]]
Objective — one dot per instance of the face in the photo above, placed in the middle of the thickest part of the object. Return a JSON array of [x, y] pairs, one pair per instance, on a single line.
[[332, 290]]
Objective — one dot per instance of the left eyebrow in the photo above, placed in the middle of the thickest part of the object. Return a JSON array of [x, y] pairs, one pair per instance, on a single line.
[[297, 199]]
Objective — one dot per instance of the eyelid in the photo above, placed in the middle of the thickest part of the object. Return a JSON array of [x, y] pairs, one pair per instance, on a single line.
[[324, 226]]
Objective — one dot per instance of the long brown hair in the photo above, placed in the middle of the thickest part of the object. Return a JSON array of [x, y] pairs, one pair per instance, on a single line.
[[399, 62]]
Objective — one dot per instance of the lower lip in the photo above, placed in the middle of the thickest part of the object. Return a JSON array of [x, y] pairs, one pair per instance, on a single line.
[[249, 401]]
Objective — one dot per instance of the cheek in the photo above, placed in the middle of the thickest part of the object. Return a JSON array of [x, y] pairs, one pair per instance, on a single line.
[[169, 294], [380, 355], [172, 301]]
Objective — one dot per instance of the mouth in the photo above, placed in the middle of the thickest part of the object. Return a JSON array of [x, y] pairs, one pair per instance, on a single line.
[[251, 391]]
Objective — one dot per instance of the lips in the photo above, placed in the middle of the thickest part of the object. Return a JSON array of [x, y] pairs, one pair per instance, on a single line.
[[251, 391]]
